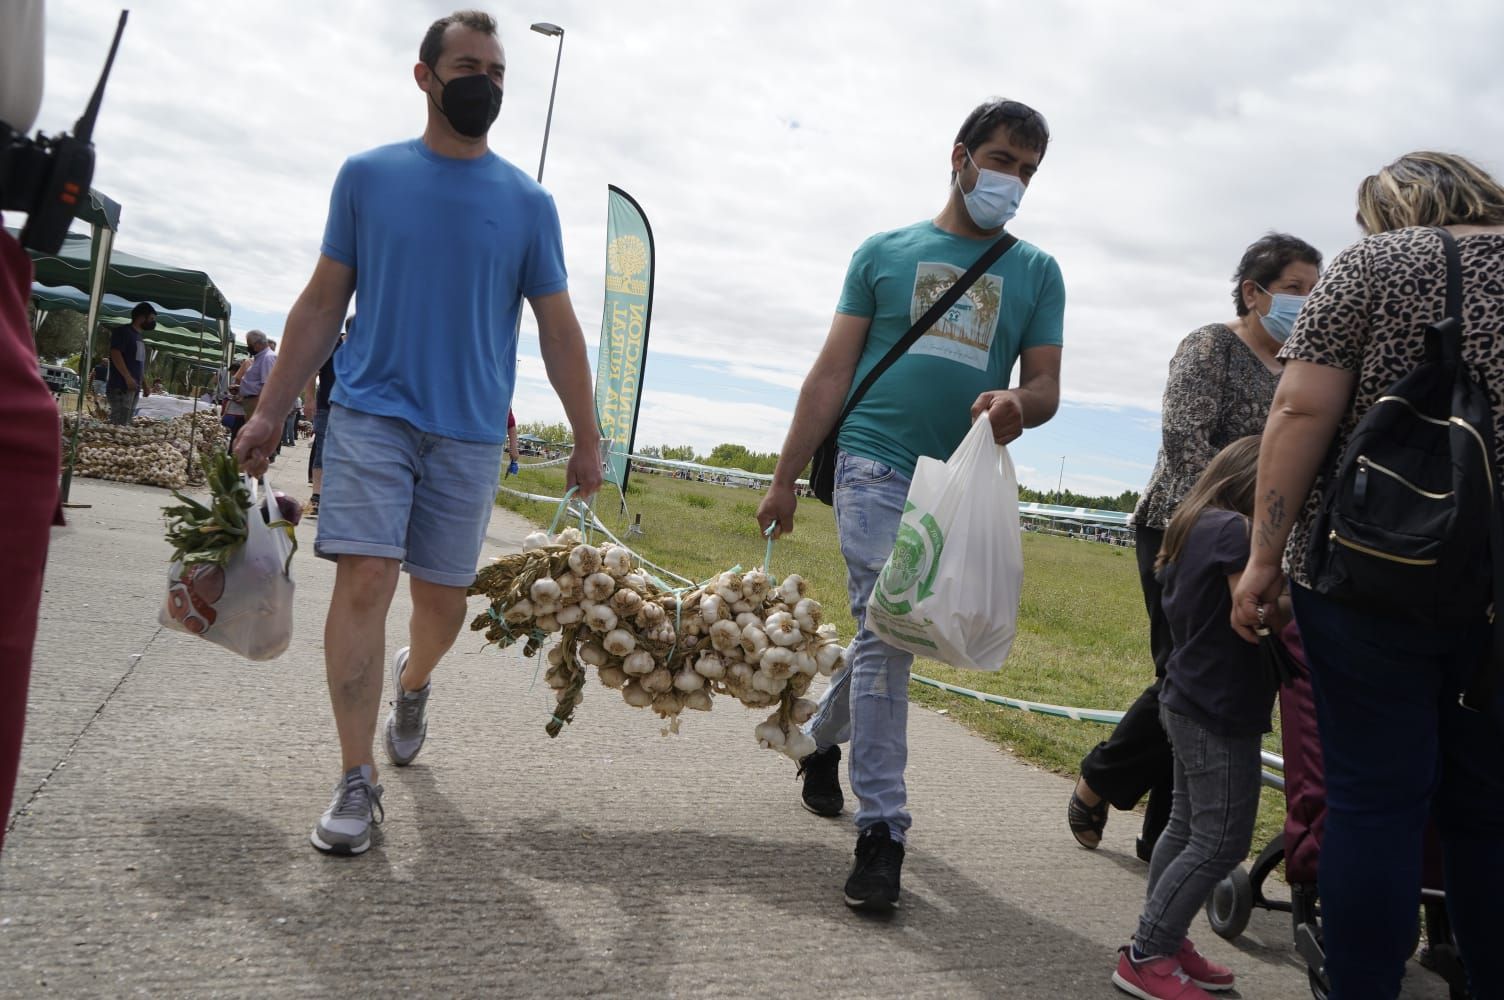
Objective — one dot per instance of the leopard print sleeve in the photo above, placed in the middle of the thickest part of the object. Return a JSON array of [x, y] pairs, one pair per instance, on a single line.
[[1335, 324]]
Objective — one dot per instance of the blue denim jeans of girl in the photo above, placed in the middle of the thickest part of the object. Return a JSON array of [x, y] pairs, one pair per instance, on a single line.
[[1400, 750], [1212, 813], [867, 703]]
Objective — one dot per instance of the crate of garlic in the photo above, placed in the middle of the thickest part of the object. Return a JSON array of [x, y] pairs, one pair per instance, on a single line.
[[147, 452], [748, 636]]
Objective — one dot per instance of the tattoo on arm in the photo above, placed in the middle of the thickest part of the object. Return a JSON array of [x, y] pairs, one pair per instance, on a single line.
[[1274, 519]]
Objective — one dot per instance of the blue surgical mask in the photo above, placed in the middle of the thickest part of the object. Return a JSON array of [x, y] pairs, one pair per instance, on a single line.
[[994, 200], [1280, 319]]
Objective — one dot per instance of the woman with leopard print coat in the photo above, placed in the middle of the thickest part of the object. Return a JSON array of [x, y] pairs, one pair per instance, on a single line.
[[1399, 749]]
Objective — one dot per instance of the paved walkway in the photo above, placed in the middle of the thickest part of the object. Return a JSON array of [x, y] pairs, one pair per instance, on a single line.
[[167, 790]]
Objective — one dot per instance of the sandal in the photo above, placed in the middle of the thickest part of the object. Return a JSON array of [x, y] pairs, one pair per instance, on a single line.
[[1087, 822]]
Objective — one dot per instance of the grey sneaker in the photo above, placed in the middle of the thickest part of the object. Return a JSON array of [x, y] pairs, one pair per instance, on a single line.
[[345, 827], [407, 725]]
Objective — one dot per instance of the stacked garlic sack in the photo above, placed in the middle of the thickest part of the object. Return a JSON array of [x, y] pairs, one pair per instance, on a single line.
[[745, 635]]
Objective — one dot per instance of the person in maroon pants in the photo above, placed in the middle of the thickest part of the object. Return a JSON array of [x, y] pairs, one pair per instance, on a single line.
[[29, 445]]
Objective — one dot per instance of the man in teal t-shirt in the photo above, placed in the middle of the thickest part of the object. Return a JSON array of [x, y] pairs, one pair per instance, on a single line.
[[922, 405]]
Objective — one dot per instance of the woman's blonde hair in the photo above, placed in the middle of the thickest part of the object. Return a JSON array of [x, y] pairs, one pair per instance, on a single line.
[[1227, 483], [1429, 189]]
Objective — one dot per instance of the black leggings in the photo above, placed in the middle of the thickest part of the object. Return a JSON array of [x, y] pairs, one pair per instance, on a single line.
[[1136, 759]]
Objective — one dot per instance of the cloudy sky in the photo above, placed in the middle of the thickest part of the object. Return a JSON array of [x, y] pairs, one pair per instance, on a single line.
[[765, 141]]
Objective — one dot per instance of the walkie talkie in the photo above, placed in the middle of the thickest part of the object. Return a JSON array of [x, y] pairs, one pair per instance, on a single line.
[[47, 177]]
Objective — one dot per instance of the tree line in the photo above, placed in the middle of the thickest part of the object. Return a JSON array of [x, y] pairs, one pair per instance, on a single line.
[[736, 456]]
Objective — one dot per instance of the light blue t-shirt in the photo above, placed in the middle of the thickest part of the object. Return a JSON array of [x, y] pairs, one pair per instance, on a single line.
[[444, 252], [921, 405]]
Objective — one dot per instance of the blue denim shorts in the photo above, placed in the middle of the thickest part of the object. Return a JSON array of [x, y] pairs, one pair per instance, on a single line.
[[395, 492]]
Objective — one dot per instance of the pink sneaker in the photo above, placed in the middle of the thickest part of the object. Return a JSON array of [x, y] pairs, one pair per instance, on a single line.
[[1203, 971], [1155, 979]]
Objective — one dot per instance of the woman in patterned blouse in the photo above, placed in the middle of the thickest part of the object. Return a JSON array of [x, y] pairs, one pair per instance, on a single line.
[[1398, 747], [1221, 381]]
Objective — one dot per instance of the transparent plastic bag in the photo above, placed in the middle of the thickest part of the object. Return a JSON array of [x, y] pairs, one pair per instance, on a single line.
[[950, 589], [246, 605]]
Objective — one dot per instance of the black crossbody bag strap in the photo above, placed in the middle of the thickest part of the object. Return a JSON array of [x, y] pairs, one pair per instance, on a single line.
[[932, 315]]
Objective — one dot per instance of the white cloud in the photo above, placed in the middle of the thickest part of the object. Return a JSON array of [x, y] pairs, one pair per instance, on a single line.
[[1182, 131]]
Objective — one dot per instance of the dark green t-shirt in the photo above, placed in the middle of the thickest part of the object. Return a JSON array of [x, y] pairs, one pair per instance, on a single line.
[[921, 405]]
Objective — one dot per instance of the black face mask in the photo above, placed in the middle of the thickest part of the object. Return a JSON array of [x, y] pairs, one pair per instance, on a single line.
[[471, 103], [150, 324]]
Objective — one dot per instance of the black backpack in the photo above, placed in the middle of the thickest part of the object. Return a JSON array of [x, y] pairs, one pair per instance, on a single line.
[[1408, 527]]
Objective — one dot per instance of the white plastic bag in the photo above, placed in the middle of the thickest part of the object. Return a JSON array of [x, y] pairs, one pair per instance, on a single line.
[[950, 589], [246, 606]]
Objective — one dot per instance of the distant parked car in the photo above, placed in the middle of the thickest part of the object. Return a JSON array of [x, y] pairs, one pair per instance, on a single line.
[[60, 379]]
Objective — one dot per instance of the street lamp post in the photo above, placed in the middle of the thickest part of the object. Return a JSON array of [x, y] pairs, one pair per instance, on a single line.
[[552, 30]]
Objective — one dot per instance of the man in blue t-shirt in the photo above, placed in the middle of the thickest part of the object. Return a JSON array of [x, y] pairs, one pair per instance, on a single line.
[[923, 405], [441, 240]]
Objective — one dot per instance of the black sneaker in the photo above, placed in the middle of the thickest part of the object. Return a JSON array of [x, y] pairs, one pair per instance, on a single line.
[[821, 772], [873, 884]]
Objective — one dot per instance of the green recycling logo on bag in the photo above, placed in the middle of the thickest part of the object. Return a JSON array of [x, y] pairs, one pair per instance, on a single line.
[[909, 574]]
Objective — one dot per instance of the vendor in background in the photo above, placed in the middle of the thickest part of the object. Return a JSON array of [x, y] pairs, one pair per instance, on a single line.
[[127, 381], [99, 376]]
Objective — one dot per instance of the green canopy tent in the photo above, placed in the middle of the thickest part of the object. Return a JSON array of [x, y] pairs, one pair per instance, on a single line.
[[175, 335], [90, 264]]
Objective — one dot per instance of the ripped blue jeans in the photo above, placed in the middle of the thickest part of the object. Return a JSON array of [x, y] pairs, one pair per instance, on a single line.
[[867, 703]]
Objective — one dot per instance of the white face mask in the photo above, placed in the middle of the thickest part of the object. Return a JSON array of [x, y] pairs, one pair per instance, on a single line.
[[994, 200]]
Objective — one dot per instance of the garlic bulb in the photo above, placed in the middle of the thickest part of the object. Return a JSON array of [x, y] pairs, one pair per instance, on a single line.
[[754, 640], [777, 662], [686, 680], [547, 623], [571, 614], [612, 676], [713, 608], [541, 608], [555, 656], [618, 642], [770, 735], [617, 561], [799, 745], [710, 665], [724, 635], [805, 662], [569, 588], [739, 673], [747, 618], [768, 684], [598, 586], [698, 700], [667, 704], [807, 613], [545, 591], [600, 619], [755, 586], [585, 560], [827, 632], [743, 607], [635, 581], [791, 589], [537, 540], [569, 536], [519, 612], [829, 658], [593, 653], [782, 629], [728, 586], [803, 710], [626, 603], [639, 663], [658, 681], [636, 695], [651, 614]]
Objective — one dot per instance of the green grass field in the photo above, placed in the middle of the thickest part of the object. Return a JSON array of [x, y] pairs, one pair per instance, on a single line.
[[1082, 633]]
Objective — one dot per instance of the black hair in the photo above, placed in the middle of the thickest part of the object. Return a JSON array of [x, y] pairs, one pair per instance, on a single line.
[[1266, 259], [1023, 125], [142, 310]]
